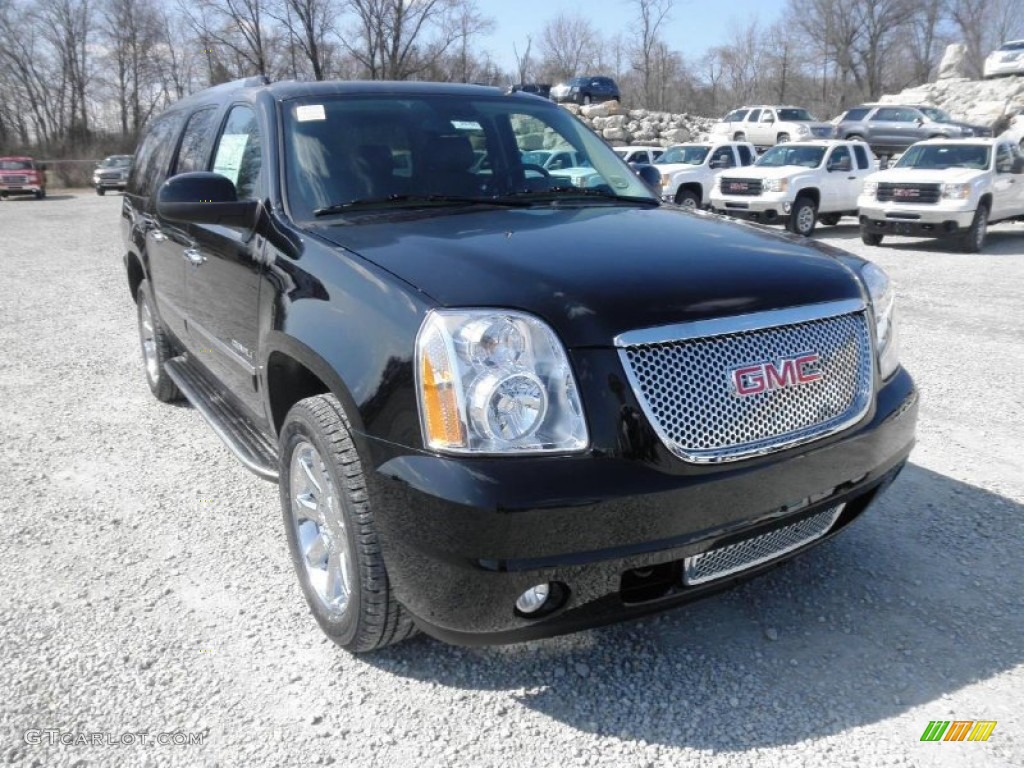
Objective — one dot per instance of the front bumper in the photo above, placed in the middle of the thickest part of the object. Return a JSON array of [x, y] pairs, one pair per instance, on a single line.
[[994, 69], [463, 538], [21, 189], [768, 208], [939, 220], [109, 183]]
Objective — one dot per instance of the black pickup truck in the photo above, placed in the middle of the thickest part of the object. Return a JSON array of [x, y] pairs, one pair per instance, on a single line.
[[499, 406]]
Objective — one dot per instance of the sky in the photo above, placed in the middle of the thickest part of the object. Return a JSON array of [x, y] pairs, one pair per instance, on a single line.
[[694, 26]]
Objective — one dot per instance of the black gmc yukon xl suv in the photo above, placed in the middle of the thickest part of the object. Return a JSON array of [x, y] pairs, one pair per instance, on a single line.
[[498, 406]]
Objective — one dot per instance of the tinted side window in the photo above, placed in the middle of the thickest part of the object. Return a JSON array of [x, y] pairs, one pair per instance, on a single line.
[[839, 156], [1004, 159], [746, 156], [238, 152], [194, 153], [855, 115], [153, 155], [862, 156], [754, 116], [887, 114]]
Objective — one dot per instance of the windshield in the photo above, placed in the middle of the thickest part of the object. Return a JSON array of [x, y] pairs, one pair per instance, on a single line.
[[795, 115], [689, 155], [1016, 45], [15, 165], [939, 157], [342, 152], [791, 154], [117, 161]]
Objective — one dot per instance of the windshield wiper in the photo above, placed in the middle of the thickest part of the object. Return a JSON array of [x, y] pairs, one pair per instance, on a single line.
[[408, 201], [569, 192]]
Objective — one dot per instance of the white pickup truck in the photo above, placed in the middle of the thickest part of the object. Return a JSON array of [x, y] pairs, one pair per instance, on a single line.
[[799, 183], [688, 170], [949, 188]]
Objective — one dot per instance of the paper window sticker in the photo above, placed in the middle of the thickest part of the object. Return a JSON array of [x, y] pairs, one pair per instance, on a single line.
[[229, 155], [307, 112]]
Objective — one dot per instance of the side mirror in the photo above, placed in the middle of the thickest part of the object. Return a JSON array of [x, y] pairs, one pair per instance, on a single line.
[[205, 198], [1018, 165], [650, 175]]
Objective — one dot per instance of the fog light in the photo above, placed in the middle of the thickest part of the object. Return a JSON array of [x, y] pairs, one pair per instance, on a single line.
[[787, 207], [533, 599]]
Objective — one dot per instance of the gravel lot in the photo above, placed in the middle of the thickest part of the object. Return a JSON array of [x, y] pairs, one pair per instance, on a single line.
[[145, 583]]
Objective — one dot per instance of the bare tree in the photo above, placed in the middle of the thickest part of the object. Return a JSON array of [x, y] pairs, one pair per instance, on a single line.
[[652, 13], [523, 61], [237, 26], [309, 23], [569, 44], [983, 25]]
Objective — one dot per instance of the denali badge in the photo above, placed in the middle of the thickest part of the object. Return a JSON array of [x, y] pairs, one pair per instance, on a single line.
[[787, 372]]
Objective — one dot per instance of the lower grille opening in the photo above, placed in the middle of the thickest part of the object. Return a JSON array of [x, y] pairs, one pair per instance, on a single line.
[[725, 561]]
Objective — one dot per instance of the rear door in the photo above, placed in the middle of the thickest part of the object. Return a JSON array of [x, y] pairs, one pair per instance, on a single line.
[[752, 127], [1008, 184], [224, 266]]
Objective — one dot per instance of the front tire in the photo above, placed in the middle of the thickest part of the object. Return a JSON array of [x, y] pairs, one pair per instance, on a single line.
[[783, 138], [101, 191], [803, 217], [156, 347], [587, 100], [973, 240], [687, 199], [739, 136], [870, 238], [829, 219], [331, 531], [40, 194]]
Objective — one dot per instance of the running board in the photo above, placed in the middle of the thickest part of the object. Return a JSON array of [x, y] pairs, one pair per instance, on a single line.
[[251, 447]]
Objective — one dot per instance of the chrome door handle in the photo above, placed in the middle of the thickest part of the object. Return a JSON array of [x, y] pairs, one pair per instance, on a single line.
[[158, 236], [193, 257]]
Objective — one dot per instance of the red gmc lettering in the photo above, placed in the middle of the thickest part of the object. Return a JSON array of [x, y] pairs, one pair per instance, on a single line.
[[755, 379]]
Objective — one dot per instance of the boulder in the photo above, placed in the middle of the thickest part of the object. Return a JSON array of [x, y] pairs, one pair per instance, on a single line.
[[953, 62], [616, 134], [676, 135]]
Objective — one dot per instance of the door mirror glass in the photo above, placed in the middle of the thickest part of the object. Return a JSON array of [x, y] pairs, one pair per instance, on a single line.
[[650, 175], [205, 198]]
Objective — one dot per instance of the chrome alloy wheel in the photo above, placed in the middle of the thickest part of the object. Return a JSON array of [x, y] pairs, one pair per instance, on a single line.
[[319, 528], [805, 219], [147, 335]]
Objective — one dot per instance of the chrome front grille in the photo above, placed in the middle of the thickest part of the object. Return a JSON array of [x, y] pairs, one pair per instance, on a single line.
[[724, 561], [14, 179], [687, 385]]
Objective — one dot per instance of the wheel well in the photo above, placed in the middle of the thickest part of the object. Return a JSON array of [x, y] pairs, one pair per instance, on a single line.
[[986, 200], [691, 186], [288, 381], [135, 274], [812, 193]]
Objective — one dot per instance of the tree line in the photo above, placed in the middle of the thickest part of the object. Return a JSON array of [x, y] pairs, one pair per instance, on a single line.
[[82, 77]]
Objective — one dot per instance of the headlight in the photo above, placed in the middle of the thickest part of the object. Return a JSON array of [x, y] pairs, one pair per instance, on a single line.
[[956, 191], [803, 130], [775, 185], [883, 308], [870, 188], [495, 382], [665, 181]]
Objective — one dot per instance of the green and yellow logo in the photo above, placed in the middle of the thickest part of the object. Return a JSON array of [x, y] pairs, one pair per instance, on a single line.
[[958, 730]]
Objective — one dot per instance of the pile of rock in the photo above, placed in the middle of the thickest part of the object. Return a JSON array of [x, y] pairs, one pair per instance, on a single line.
[[620, 126]]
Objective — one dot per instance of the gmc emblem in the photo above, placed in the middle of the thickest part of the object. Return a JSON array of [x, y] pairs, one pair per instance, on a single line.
[[737, 187], [906, 192], [787, 372]]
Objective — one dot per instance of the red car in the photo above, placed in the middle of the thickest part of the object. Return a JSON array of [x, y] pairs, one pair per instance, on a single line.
[[22, 176]]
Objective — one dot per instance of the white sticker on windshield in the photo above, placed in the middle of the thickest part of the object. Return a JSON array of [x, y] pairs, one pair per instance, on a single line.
[[308, 112], [466, 125]]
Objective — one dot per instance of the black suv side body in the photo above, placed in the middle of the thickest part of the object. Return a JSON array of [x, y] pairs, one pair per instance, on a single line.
[[499, 407]]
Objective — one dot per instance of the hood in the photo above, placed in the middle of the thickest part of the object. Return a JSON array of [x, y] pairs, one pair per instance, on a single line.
[[762, 172], [670, 169], [595, 272], [927, 175]]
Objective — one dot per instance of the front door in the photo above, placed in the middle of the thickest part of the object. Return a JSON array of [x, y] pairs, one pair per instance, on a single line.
[[1008, 186], [223, 274]]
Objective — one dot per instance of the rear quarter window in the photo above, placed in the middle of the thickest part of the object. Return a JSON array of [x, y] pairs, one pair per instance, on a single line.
[[855, 115]]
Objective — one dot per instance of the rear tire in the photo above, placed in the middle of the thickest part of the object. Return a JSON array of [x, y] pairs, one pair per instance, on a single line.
[[803, 217], [855, 137], [830, 219], [783, 138], [156, 347], [331, 531], [587, 99], [739, 136], [687, 199], [973, 240]]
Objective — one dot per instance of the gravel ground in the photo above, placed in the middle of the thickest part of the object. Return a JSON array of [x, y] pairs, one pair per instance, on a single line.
[[145, 584]]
